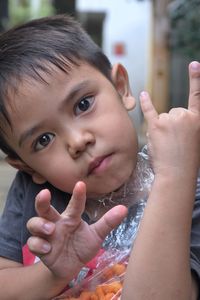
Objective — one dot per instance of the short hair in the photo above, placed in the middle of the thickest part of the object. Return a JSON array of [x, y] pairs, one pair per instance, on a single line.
[[26, 50]]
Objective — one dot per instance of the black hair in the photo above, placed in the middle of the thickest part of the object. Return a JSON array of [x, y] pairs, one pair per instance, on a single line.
[[30, 48]]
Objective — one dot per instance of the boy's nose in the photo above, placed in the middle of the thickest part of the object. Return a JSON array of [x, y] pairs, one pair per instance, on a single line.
[[78, 143]]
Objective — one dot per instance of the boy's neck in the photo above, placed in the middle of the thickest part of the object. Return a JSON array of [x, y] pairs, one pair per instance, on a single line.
[[96, 207]]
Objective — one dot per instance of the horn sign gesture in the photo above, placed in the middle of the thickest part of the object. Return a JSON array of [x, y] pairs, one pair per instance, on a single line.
[[174, 137]]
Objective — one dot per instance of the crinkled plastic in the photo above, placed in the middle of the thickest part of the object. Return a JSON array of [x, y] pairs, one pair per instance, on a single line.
[[118, 243], [105, 284]]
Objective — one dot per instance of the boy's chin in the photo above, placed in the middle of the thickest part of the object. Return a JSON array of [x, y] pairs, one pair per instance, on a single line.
[[108, 189]]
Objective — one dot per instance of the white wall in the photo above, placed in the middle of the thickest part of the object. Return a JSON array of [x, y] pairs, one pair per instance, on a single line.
[[127, 22]]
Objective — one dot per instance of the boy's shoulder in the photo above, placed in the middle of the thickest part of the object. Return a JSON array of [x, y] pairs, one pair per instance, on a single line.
[[25, 190], [198, 187], [19, 208], [21, 184]]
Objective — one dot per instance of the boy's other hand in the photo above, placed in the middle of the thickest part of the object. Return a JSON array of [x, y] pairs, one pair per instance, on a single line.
[[64, 242], [174, 137]]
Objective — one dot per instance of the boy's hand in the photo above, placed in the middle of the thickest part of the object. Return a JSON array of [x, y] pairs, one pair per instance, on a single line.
[[64, 242], [174, 137]]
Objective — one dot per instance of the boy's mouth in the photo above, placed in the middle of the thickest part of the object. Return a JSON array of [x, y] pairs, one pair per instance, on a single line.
[[99, 164]]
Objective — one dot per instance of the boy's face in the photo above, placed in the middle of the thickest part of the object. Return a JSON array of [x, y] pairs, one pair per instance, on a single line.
[[74, 128]]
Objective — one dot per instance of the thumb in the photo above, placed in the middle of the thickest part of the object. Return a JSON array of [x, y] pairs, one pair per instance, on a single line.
[[109, 221]]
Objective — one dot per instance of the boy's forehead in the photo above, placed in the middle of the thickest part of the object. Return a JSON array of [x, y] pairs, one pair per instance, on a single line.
[[75, 78], [52, 75], [40, 78]]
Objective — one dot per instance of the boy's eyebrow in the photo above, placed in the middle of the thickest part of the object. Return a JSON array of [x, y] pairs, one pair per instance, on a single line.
[[72, 93], [29, 133]]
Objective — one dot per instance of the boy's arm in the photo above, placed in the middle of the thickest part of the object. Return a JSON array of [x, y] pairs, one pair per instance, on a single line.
[[159, 265], [28, 283]]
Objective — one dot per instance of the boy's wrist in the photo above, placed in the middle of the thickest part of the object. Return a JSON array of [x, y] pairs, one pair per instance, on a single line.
[[177, 175], [54, 285], [60, 277], [176, 186]]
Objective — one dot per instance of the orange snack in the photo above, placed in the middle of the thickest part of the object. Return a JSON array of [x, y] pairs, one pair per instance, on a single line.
[[94, 297], [99, 292], [113, 287], [118, 269], [109, 289], [109, 296], [85, 295], [114, 270], [108, 273]]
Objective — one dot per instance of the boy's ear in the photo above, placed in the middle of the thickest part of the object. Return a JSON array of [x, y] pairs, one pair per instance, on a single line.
[[18, 164], [121, 81]]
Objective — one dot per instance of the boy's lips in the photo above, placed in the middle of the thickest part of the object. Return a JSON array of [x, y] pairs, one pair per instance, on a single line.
[[99, 164]]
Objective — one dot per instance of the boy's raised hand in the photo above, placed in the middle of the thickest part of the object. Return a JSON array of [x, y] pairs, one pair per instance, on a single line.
[[64, 242], [174, 137]]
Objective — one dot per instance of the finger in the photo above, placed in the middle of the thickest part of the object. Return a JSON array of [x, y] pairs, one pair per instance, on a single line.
[[43, 206], [76, 204], [147, 107], [110, 220], [40, 227], [38, 245], [194, 81]]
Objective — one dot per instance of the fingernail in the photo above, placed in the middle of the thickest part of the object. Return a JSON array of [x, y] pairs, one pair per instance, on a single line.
[[143, 94], [48, 227], [46, 248], [195, 65]]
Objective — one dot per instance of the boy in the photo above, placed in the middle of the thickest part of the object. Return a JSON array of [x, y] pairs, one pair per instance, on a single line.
[[64, 125]]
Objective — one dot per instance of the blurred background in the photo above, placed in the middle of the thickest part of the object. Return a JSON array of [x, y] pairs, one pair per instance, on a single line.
[[154, 39]]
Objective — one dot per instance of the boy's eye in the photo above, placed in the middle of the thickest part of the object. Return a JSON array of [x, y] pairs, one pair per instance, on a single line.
[[83, 105], [43, 141]]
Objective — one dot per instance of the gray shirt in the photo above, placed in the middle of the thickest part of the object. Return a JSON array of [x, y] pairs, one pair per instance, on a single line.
[[19, 208]]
